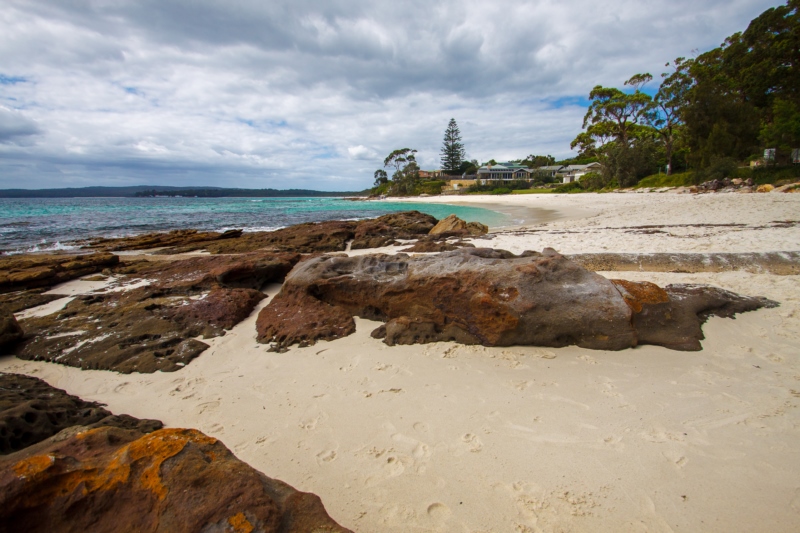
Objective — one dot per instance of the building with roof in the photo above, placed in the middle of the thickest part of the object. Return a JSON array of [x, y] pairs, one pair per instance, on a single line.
[[572, 173]]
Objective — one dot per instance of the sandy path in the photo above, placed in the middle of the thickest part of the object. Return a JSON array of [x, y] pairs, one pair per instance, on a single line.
[[444, 437]]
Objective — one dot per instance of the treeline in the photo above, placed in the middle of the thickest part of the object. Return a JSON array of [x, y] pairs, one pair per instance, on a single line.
[[710, 114], [241, 193]]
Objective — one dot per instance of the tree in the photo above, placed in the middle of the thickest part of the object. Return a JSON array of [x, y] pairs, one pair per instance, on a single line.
[[380, 177], [668, 103], [406, 174], [536, 161], [618, 132], [453, 152]]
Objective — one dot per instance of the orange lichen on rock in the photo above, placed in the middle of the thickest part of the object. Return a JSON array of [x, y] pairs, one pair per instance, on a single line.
[[637, 294], [240, 523]]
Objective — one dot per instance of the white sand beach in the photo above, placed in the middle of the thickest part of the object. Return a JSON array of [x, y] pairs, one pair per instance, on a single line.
[[446, 437]]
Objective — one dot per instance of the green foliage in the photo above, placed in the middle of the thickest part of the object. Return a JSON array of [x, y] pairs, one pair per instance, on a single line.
[[783, 132], [490, 186], [571, 187], [453, 152], [719, 168], [593, 181], [501, 190], [763, 175], [536, 161], [380, 177], [533, 191], [406, 174], [663, 180], [429, 187], [468, 167]]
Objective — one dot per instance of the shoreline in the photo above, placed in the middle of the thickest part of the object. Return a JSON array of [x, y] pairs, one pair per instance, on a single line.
[[450, 437]]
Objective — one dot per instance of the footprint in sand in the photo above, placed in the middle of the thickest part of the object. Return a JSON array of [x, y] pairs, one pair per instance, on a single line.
[[309, 423], [207, 407], [439, 512], [473, 442], [588, 359], [122, 386], [326, 456], [216, 428]]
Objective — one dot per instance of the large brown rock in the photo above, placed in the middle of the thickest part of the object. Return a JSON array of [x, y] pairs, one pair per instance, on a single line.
[[452, 225], [32, 411], [21, 272], [171, 480], [489, 297]]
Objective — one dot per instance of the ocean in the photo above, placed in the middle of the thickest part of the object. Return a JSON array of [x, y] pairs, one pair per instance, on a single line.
[[52, 224]]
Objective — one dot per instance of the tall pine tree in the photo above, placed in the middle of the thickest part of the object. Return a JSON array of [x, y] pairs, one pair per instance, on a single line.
[[453, 152]]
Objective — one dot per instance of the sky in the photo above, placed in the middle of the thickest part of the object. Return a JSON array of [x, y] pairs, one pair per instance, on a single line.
[[314, 94]]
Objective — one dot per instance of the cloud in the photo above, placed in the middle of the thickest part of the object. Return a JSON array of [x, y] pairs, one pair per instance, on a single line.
[[312, 93], [362, 152], [15, 127]]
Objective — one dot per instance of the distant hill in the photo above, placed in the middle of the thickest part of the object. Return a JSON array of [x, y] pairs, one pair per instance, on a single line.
[[144, 191]]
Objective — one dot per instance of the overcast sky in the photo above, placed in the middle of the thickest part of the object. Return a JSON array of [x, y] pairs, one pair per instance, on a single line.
[[314, 93]]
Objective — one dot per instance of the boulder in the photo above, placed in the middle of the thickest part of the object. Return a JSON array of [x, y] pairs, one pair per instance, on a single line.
[[477, 229], [382, 231], [480, 296], [171, 480], [22, 272], [450, 224], [765, 188], [173, 238], [10, 330], [32, 411]]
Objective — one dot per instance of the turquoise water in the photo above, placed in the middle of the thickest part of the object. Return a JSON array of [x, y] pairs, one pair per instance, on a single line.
[[38, 224]]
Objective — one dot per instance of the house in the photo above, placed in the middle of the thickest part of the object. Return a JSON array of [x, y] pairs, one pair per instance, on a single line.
[[504, 171], [572, 173], [430, 173]]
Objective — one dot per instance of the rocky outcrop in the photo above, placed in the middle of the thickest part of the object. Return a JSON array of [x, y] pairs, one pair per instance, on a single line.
[[484, 296], [171, 480], [10, 330], [32, 411], [452, 225], [22, 272], [150, 241], [70, 465], [383, 231], [154, 327], [15, 302], [312, 237]]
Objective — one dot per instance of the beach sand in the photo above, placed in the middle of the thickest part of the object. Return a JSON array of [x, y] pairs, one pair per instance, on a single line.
[[446, 437]]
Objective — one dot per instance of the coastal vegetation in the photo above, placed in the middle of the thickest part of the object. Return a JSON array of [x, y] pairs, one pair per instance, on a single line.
[[733, 111]]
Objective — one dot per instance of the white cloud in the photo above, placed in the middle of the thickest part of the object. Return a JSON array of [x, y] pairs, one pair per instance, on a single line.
[[314, 94]]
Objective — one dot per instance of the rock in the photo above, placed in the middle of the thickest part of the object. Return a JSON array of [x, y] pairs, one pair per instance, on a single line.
[[427, 245], [383, 231], [171, 480], [473, 296], [21, 300], [150, 241], [477, 229], [765, 188], [219, 309], [737, 181], [32, 411], [154, 327], [789, 187], [22, 272], [672, 317], [450, 224], [10, 330]]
